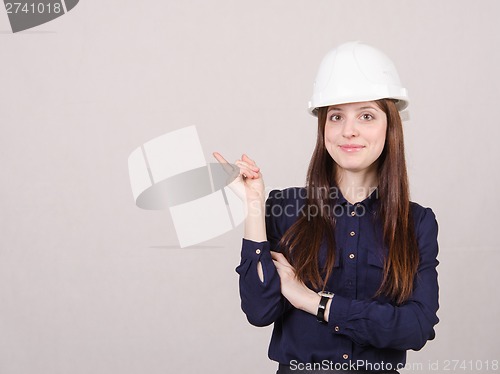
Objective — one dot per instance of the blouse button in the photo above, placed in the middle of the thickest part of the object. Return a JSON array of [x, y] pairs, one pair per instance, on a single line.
[[352, 233], [352, 255], [337, 328], [257, 251], [345, 356], [353, 213]]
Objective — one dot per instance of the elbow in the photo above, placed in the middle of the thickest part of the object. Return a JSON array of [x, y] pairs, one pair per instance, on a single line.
[[417, 345], [413, 336], [425, 333], [258, 321], [423, 328], [261, 317], [414, 340]]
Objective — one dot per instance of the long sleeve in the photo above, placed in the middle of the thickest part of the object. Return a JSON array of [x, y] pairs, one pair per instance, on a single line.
[[262, 301], [384, 325]]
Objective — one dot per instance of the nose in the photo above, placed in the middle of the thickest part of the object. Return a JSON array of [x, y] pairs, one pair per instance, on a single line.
[[349, 130]]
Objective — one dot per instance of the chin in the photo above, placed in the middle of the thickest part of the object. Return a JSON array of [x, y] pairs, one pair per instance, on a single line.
[[354, 168]]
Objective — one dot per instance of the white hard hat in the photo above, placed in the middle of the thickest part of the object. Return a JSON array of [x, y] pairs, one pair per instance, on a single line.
[[355, 72]]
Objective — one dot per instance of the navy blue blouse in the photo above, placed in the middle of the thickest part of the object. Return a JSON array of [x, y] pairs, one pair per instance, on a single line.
[[361, 329]]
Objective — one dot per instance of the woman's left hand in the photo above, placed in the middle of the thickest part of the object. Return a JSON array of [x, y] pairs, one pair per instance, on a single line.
[[294, 290]]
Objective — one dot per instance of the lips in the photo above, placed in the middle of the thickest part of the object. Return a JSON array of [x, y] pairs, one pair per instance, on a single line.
[[351, 147]]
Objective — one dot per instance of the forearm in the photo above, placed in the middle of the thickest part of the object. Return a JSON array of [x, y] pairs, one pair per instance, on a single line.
[[255, 223], [382, 325], [309, 303], [294, 290]]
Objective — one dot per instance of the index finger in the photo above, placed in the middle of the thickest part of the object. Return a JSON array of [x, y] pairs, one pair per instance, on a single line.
[[228, 168], [219, 158]]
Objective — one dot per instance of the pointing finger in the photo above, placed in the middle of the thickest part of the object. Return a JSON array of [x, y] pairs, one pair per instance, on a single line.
[[219, 158], [228, 168]]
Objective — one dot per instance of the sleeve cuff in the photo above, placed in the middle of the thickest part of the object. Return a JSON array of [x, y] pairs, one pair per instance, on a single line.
[[339, 312], [254, 250]]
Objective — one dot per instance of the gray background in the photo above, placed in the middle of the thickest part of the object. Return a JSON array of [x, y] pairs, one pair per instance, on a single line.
[[89, 283]]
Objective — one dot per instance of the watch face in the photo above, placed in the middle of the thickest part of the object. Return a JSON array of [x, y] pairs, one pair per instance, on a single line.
[[326, 294]]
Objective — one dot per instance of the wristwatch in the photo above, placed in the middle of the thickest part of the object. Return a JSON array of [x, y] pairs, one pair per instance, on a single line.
[[325, 296]]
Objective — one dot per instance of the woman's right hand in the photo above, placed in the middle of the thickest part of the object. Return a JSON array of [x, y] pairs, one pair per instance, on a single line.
[[249, 184]]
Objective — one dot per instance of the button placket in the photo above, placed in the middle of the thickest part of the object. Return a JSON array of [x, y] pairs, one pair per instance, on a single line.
[[351, 251]]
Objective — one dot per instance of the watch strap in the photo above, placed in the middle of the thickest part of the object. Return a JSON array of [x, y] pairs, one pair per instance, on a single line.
[[321, 309]]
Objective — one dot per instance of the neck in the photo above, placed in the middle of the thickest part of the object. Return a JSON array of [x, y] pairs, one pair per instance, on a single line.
[[357, 185]]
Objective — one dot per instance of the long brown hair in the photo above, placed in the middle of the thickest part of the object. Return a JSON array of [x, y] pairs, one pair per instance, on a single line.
[[309, 231]]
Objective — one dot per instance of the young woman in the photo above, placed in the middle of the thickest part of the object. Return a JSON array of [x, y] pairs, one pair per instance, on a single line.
[[345, 267]]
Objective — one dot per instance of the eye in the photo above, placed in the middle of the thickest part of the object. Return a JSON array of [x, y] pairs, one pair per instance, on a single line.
[[335, 117], [367, 117]]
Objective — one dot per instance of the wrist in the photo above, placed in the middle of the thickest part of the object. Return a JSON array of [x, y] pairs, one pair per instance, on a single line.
[[311, 302], [255, 221]]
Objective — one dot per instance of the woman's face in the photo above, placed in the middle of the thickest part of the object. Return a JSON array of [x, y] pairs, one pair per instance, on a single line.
[[355, 135]]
